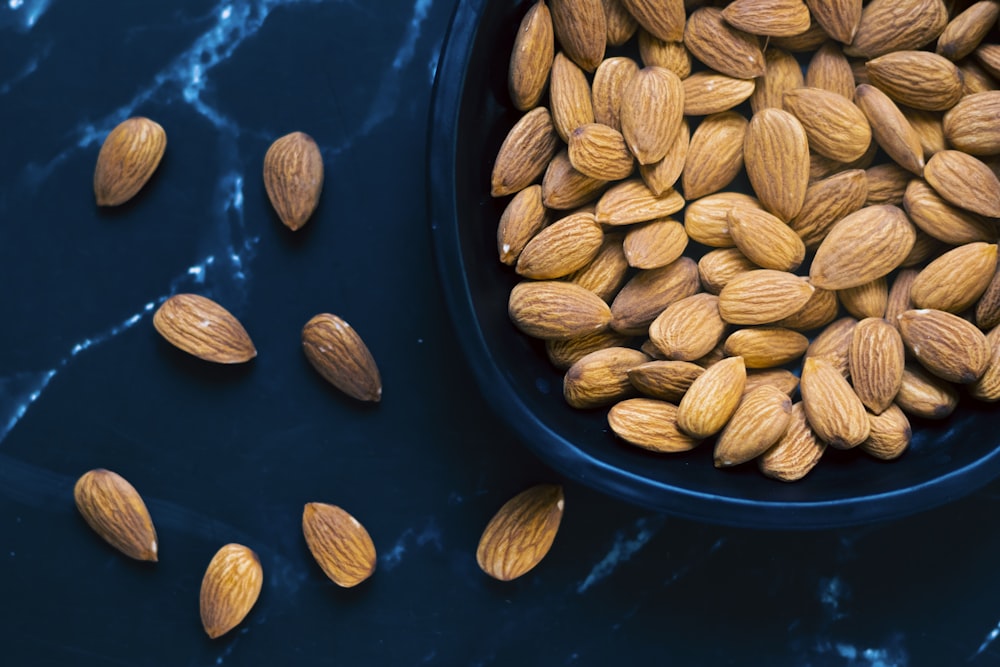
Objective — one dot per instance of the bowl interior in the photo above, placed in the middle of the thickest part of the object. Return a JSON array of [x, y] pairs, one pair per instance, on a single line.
[[471, 117]]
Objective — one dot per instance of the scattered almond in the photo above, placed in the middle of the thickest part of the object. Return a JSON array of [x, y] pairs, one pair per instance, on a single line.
[[203, 328], [339, 543], [521, 533], [128, 157], [293, 178], [338, 353], [230, 588], [115, 511]]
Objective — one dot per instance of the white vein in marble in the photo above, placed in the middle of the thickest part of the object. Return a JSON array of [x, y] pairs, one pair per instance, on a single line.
[[622, 549], [429, 534], [991, 637], [22, 15]]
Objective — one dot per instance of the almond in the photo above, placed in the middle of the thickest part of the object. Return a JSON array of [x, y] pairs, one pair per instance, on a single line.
[[712, 399], [651, 112], [632, 201], [553, 309], [876, 362], [971, 126], [923, 395], [293, 178], [525, 153], [561, 248], [673, 56], [707, 92], [967, 29], [929, 126], [608, 88], [838, 18], [521, 533], [663, 19], [717, 267], [763, 296], [230, 588], [810, 40], [128, 157], [829, 69], [796, 453], [667, 380], [834, 126], [833, 344], [954, 281], [582, 30], [834, 411], [660, 177], [203, 328], [887, 184], [964, 181], [523, 217], [868, 300], [707, 219], [115, 511], [780, 378], [987, 387], [722, 47], [714, 155], [570, 96], [650, 424], [649, 292], [563, 187], [601, 377], [919, 79], [606, 272], [827, 201], [531, 57], [621, 24], [988, 308], [821, 309], [564, 353], [766, 347], [924, 247], [783, 73], [765, 240], [945, 344], [978, 76], [688, 329], [889, 435], [650, 245], [776, 155], [339, 354], [769, 18], [895, 25], [339, 543], [899, 300], [760, 420], [890, 128], [861, 247]]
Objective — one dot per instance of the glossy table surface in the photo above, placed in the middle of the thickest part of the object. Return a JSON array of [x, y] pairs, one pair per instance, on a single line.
[[231, 454]]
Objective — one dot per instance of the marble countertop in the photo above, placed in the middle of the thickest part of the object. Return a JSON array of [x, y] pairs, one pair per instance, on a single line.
[[231, 454]]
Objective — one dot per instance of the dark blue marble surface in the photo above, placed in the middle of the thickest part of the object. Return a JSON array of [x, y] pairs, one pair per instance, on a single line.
[[232, 454]]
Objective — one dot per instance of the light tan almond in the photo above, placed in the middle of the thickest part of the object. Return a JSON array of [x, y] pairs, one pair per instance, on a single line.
[[607, 271], [804, 42], [620, 22], [780, 378], [896, 25], [660, 177], [651, 112], [899, 300], [776, 156], [925, 246], [920, 79], [561, 248], [763, 296], [564, 353], [651, 424], [663, 19], [833, 345], [766, 347], [929, 126], [673, 56], [796, 453], [707, 219], [948, 346], [768, 18], [827, 201], [650, 245], [923, 395], [876, 363], [861, 247], [839, 18], [957, 279], [829, 69], [293, 178], [664, 379], [570, 96], [717, 267], [230, 588], [521, 533], [608, 88], [582, 30], [821, 309], [554, 309], [890, 128], [689, 328], [563, 187], [987, 387], [707, 92], [889, 435], [525, 153], [988, 308], [964, 181], [765, 240], [632, 201], [886, 184], [834, 411], [967, 29], [115, 511], [203, 328], [975, 76], [783, 73], [868, 300], [128, 157], [971, 125], [600, 152], [821, 166], [649, 292], [717, 354], [715, 154], [338, 353], [988, 58], [721, 47], [712, 399], [531, 57], [760, 420], [601, 377], [522, 218], [340, 544]]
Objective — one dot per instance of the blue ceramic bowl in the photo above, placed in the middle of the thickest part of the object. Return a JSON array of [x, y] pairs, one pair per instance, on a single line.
[[471, 116]]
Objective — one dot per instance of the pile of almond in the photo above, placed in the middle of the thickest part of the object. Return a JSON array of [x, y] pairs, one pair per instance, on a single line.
[[855, 286]]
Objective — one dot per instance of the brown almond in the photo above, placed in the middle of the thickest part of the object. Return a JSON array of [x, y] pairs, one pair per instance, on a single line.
[[606, 272], [712, 399], [925, 246], [620, 22], [717, 354], [649, 292], [673, 56], [889, 435], [722, 47], [987, 387], [833, 345], [776, 156], [765, 240], [861, 247], [128, 157], [829, 69], [203, 328], [948, 346], [521, 533], [876, 362], [988, 308], [987, 56], [821, 166], [923, 395], [780, 378], [707, 219], [293, 178], [717, 267], [838, 18], [766, 347], [954, 281], [821, 309], [763, 296], [689, 328], [531, 57], [563, 187], [570, 96], [941, 220], [115, 511], [796, 453], [827, 201], [896, 25], [967, 29], [341, 357], [964, 181], [834, 411], [650, 245], [522, 218], [662, 18], [810, 40], [554, 309], [340, 544], [783, 73], [886, 184], [971, 125], [890, 128], [660, 177], [651, 424], [600, 152], [760, 420], [707, 92], [524, 153], [667, 380], [608, 88], [899, 300], [601, 377], [920, 79], [868, 300], [230, 588], [582, 30], [651, 112], [632, 201], [714, 155], [564, 353], [929, 126], [768, 18], [561, 248]]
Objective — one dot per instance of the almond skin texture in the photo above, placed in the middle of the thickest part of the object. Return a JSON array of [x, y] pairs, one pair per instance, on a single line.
[[339, 543], [649, 292], [945, 222], [889, 435], [769, 18], [569, 95], [965, 182], [876, 363], [895, 25], [115, 511], [834, 411], [127, 159], [838, 18], [971, 125], [821, 309], [632, 201], [606, 272], [230, 588], [663, 19], [966, 30], [621, 24], [796, 452], [293, 178], [651, 113], [531, 57], [688, 329], [564, 353], [673, 56], [763, 296], [945, 344], [660, 177], [830, 70], [987, 387], [339, 354], [561, 248], [666, 380], [650, 424], [861, 247], [833, 344], [766, 347], [203, 328], [524, 153], [765, 240], [608, 87], [563, 187], [926, 396], [826, 202], [653, 244], [521, 533], [783, 73], [919, 79], [601, 377], [955, 280], [523, 217], [988, 308], [722, 47], [868, 300], [707, 92], [550, 309], [890, 128], [600, 152], [707, 219], [715, 154], [712, 399], [760, 420], [582, 30], [776, 156], [836, 128], [717, 267]]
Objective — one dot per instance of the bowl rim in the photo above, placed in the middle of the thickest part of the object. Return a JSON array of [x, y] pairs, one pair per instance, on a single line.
[[560, 453]]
